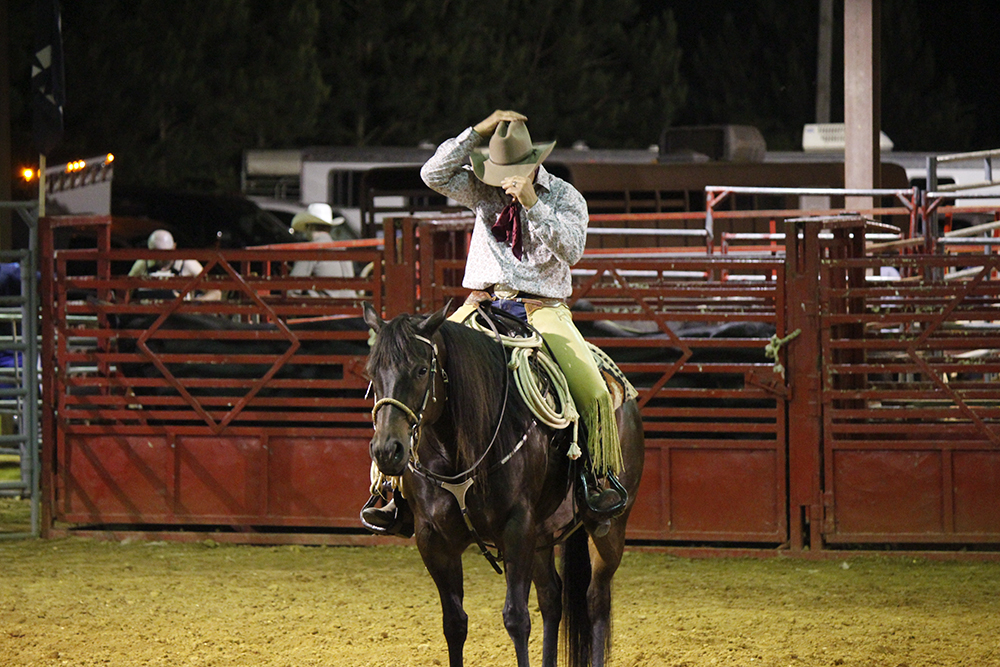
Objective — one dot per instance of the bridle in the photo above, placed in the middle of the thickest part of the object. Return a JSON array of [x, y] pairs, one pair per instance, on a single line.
[[415, 419], [458, 485]]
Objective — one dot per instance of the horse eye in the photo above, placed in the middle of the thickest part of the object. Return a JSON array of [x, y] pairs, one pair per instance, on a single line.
[[422, 371]]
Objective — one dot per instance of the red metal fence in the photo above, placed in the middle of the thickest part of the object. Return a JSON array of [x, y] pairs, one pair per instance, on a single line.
[[875, 422], [176, 412]]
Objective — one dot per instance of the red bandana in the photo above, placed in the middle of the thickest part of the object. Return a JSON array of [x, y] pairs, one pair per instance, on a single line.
[[507, 228]]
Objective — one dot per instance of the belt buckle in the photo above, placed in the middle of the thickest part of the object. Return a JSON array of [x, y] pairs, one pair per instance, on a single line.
[[504, 291]]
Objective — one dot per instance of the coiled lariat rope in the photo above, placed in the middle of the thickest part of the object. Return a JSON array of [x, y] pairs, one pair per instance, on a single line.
[[530, 386]]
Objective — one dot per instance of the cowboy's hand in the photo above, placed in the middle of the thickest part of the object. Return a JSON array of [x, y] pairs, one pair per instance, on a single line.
[[521, 189], [486, 127]]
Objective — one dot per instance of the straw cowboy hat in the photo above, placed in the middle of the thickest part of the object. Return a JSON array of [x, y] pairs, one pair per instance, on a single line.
[[315, 214], [511, 153]]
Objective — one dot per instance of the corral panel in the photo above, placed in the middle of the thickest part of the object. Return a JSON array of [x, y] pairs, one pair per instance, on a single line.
[[977, 492], [911, 424], [882, 492], [317, 480], [219, 478], [690, 334], [716, 492], [115, 478]]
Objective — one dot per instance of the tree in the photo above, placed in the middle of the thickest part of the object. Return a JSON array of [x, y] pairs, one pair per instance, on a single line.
[[596, 70], [177, 90], [921, 108], [757, 66]]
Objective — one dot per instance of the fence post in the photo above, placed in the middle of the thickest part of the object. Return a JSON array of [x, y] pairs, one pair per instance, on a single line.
[[400, 257], [805, 435], [46, 266]]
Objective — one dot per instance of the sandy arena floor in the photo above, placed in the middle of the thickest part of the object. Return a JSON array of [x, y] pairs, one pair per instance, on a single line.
[[83, 602]]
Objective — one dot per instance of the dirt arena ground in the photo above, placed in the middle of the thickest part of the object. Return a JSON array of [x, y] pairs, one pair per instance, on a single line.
[[83, 602]]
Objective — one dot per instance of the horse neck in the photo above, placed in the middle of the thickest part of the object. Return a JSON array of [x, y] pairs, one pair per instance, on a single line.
[[477, 382]]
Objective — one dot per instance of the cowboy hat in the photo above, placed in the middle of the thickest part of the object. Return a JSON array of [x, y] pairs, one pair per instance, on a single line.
[[315, 214], [511, 153]]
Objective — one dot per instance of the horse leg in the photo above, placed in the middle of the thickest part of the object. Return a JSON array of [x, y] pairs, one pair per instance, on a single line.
[[519, 547], [548, 588], [445, 568], [605, 557]]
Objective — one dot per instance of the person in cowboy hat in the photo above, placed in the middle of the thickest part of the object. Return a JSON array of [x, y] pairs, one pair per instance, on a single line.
[[161, 239], [317, 222], [531, 227]]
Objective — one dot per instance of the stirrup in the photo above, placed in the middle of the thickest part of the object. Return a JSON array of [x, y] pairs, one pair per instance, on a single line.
[[402, 518], [609, 512]]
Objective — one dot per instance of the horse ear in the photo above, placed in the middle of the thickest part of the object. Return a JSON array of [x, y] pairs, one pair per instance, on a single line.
[[432, 322], [372, 318]]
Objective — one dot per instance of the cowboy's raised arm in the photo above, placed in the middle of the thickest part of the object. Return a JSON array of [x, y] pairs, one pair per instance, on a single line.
[[448, 173]]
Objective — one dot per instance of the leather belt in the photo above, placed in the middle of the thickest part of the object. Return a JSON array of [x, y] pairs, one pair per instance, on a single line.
[[507, 292]]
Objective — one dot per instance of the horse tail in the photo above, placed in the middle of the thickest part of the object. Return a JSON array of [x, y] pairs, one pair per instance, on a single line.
[[577, 634]]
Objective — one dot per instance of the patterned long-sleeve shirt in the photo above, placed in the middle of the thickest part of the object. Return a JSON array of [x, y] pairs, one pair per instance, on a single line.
[[554, 230]]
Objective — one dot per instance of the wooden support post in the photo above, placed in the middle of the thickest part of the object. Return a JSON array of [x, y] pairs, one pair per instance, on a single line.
[[862, 99]]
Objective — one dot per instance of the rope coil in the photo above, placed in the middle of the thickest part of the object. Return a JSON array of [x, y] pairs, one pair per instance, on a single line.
[[521, 351]]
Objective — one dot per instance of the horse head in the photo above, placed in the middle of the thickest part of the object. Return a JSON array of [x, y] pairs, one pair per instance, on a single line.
[[407, 375]]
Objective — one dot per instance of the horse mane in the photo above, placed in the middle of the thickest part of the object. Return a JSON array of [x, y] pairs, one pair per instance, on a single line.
[[477, 377], [476, 366]]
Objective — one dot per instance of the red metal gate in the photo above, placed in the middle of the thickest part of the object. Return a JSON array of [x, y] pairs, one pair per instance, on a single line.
[[910, 410], [690, 332], [167, 411], [876, 423]]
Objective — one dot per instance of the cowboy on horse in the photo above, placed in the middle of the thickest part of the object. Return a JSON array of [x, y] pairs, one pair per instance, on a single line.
[[531, 227]]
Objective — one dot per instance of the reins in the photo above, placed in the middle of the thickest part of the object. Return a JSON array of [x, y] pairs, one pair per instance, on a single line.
[[415, 419], [458, 485]]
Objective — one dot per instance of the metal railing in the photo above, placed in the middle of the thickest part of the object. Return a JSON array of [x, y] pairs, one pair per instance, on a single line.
[[987, 159], [19, 384]]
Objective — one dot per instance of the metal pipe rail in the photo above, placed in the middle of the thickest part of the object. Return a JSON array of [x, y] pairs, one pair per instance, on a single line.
[[715, 194], [25, 343], [972, 231], [967, 240], [833, 192], [987, 158], [952, 194]]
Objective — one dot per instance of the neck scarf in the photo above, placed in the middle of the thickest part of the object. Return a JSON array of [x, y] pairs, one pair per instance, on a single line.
[[507, 228]]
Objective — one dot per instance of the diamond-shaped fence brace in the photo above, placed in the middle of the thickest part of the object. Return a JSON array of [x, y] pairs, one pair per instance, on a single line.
[[914, 359], [265, 311]]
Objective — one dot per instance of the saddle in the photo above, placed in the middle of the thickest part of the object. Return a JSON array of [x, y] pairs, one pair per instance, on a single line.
[[510, 329], [544, 388]]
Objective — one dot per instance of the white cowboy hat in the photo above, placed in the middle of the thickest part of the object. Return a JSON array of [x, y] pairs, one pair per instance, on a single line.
[[511, 153], [315, 214], [161, 239]]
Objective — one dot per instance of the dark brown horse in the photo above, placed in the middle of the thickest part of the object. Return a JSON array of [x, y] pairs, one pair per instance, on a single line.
[[477, 468]]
